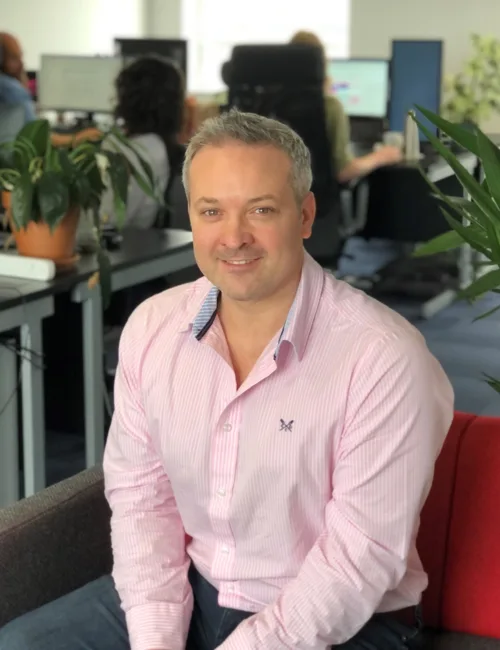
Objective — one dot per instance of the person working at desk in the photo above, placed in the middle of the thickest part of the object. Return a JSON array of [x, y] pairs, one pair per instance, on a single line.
[[15, 95], [13, 80], [273, 441], [347, 167], [150, 102]]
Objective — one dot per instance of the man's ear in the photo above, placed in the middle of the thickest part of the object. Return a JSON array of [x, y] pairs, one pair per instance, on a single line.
[[308, 214]]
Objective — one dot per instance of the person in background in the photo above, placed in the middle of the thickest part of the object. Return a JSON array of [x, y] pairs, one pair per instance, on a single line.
[[15, 94], [14, 89], [273, 440], [150, 102], [347, 166]]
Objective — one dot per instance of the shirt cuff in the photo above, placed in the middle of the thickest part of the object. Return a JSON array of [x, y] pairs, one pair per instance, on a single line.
[[159, 625]]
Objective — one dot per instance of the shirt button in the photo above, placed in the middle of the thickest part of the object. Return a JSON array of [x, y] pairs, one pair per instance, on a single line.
[[230, 588], [227, 427], [221, 492], [224, 549]]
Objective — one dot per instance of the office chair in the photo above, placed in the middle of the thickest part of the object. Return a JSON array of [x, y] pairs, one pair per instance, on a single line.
[[286, 82]]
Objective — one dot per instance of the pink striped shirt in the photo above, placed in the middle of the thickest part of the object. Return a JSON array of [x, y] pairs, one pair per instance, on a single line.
[[300, 491]]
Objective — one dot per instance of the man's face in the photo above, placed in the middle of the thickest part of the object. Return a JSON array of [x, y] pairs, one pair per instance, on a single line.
[[248, 229], [12, 63]]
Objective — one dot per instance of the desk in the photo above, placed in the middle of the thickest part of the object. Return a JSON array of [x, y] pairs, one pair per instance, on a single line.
[[23, 304], [401, 209], [144, 255]]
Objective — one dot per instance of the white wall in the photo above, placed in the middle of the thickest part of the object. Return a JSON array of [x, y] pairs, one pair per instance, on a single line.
[[374, 23], [70, 26], [163, 18]]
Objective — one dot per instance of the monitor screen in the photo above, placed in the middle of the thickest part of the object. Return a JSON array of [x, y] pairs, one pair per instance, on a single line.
[[131, 48], [78, 83], [415, 79], [362, 85]]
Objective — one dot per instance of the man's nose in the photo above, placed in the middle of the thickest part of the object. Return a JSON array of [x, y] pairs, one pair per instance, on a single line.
[[236, 232]]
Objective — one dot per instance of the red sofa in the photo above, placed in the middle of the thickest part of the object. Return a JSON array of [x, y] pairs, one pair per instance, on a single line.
[[459, 538]]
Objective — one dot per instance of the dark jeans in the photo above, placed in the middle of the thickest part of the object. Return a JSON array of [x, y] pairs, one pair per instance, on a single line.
[[91, 619]]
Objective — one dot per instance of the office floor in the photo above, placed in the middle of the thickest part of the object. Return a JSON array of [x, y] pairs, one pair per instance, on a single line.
[[464, 348]]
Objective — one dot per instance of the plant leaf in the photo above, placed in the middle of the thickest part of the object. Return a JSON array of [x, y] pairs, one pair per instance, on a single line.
[[146, 167], [490, 158], [482, 285], [492, 382], [464, 137], [38, 133], [468, 182], [104, 276], [83, 191], [441, 244], [53, 197], [22, 200], [469, 234], [65, 163], [487, 313], [118, 171]]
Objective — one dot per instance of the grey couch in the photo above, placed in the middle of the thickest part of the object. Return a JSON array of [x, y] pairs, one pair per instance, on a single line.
[[53, 543], [59, 540]]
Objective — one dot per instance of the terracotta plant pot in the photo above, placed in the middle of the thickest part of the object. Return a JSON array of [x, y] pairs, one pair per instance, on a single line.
[[37, 240]]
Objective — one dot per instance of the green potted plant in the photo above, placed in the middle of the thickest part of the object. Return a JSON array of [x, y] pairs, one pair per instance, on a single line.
[[474, 220], [473, 94], [47, 189]]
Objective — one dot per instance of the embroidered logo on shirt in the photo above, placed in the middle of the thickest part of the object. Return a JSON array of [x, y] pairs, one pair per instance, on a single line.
[[286, 426]]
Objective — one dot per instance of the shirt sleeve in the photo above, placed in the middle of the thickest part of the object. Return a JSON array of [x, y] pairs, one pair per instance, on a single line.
[[399, 410], [148, 538], [338, 130], [12, 92]]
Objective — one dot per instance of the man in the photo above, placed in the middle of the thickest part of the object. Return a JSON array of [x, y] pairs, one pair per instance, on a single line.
[[16, 103], [13, 80], [273, 441]]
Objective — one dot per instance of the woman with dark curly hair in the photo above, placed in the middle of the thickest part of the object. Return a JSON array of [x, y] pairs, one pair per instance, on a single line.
[[150, 103]]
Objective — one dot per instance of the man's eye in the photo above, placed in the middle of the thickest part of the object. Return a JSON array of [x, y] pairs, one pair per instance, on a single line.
[[265, 210], [211, 212]]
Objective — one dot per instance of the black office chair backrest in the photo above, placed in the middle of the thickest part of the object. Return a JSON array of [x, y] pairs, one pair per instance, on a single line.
[[286, 82]]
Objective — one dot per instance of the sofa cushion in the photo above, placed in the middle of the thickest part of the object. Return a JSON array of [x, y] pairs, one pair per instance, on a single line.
[[435, 520], [471, 593]]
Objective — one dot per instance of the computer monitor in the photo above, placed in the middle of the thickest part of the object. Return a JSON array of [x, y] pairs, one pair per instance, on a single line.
[[416, 68], [78, 83], [175, 49], [362, 85]]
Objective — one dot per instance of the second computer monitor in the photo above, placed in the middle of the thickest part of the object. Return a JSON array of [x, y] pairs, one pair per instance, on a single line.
[[175, 49], [415, 79], [78, 83], [362, 86]]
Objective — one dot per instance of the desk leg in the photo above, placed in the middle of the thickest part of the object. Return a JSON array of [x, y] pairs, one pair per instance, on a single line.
[[33, 407], [9, 431], [93, 377]]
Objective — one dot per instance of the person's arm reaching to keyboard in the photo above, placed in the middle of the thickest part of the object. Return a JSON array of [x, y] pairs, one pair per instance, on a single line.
[[150, 561], [400, 409]]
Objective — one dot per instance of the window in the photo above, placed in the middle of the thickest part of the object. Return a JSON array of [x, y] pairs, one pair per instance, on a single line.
[[214, 27]]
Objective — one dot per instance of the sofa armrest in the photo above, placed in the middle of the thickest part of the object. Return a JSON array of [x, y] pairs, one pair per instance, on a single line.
[[52, 543]]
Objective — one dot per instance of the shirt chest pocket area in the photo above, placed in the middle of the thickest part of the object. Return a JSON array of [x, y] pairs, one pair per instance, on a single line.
[[286, 450]]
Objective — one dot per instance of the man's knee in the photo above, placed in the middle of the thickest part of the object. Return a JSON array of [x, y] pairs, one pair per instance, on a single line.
[[90, 617]]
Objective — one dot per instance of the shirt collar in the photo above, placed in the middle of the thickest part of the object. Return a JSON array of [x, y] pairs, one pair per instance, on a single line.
[[300, 317]]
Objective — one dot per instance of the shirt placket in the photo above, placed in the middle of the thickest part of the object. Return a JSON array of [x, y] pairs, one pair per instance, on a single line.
[[224, 457]]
